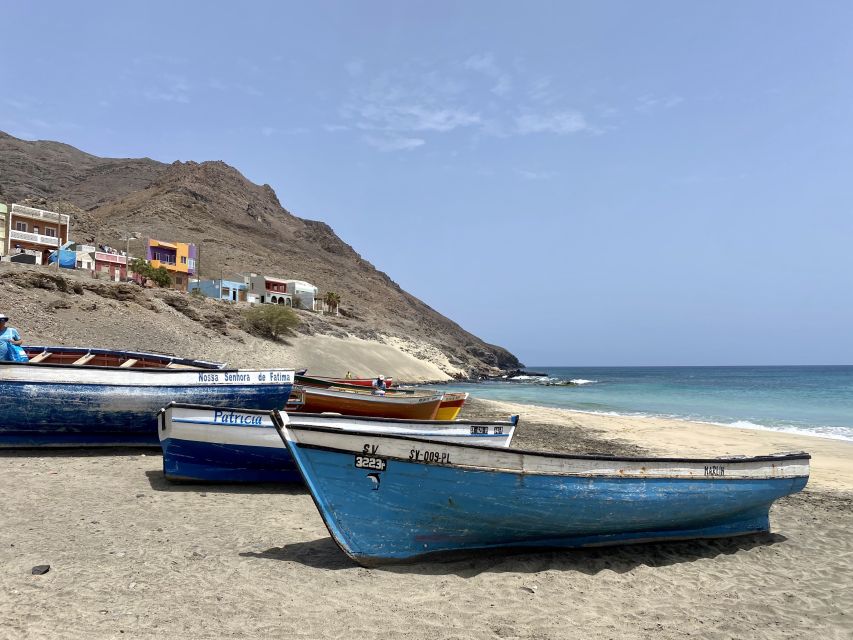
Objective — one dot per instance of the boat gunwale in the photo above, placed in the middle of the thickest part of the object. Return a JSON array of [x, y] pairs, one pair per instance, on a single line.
[[293, 417], [167, 358], [544, 454], [368, 397], [158, 370]]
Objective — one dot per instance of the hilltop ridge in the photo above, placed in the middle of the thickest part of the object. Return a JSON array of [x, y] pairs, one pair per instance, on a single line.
[[239, 226]]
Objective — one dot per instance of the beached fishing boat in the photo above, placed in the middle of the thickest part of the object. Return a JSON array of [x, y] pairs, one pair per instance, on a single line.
[[451, 405], [236, 445], [356, 382], [392, 498], [363, 403], [326, 383], [75, 396]]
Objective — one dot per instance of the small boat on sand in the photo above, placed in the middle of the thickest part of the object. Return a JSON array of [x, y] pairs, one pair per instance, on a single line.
[[358, 382], [79, 396], [390, 498], [216, 444], [326, 383], [363, 403], [451, 405]]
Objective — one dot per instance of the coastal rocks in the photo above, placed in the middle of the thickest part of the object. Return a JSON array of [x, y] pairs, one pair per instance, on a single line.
[[43, 280], [62, 303]]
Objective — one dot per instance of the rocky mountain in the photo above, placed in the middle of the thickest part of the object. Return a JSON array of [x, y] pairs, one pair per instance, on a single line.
[[239, 227]]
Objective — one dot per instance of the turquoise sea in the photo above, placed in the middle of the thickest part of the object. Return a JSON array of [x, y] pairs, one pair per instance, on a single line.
[[816, 400]]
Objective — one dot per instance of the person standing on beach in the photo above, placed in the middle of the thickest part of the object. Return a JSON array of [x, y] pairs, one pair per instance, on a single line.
[[10, 341]]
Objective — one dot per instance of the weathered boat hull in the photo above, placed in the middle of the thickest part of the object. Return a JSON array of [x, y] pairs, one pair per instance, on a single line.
[[58, 405], [359, 382], [451, 405], [392, 499], [211, 444], [351, 403]]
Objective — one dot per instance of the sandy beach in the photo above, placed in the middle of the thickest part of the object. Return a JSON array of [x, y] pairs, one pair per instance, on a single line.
[[132, 555]]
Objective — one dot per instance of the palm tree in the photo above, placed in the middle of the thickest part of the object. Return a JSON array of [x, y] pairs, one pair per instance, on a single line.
[[332, 300]]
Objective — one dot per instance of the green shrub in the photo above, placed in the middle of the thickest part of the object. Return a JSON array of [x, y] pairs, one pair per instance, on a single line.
[[160, 275], [269, 321]]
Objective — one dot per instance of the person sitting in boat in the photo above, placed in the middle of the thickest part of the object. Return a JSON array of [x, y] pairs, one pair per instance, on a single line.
[[10, 341], [379, 386]]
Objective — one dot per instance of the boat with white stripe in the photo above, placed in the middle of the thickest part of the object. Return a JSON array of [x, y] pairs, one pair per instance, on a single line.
[[393, 498], [206, 443]]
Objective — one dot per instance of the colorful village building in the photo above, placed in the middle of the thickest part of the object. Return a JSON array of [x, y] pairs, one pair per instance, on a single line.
[[267, 290], [304, 292], [178, 258], [221, 289], [35, 232], [111, 266]]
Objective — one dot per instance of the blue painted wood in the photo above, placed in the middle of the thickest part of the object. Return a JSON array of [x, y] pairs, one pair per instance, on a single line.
[[205, 443], [217, 462], [68, 414], [411, 509]]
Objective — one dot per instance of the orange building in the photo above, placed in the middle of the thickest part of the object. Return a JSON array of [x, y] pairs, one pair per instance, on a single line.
[[178, 258]]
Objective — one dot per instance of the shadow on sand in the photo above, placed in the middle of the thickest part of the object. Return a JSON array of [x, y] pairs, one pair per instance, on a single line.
[[80, 452], [323, 553], [158, 482]]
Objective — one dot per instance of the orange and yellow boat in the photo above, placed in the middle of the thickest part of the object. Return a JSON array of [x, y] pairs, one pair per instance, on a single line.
[[349, 402], [451, 405]]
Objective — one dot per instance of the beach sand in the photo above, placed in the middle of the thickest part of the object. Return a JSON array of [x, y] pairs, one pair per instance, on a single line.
[[133, 555]]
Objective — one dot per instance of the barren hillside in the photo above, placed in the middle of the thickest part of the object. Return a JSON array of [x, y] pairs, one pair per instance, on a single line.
[[239, 226]]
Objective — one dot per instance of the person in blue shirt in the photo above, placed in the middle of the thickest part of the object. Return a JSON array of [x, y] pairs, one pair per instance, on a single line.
[[10, 341], [379, 386]]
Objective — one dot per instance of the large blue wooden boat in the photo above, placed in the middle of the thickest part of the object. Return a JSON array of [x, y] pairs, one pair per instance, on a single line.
[[77, 396], [392, 498], [215, 444]]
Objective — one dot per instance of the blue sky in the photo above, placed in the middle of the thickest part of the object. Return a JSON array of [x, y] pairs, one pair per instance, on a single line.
[[601, 183]]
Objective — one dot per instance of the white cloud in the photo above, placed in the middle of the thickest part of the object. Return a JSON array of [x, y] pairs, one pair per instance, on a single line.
[[394, 143], [649, 103], [561, 123], [393, 116], [485, 63], [171, 89]]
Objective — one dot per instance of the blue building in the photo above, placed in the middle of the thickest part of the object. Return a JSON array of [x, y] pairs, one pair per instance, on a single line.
[[220, 289]]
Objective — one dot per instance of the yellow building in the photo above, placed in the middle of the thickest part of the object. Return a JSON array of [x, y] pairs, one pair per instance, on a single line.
[[178, 258]]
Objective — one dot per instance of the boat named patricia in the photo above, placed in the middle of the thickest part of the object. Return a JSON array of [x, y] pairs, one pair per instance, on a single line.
[[214, 444]]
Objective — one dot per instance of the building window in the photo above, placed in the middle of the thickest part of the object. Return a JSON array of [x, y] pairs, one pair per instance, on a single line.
[[21, 226], [35, 228], [183, 259], [49, 231]]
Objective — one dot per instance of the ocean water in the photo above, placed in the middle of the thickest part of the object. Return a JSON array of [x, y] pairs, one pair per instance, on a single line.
[[815, 400]]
